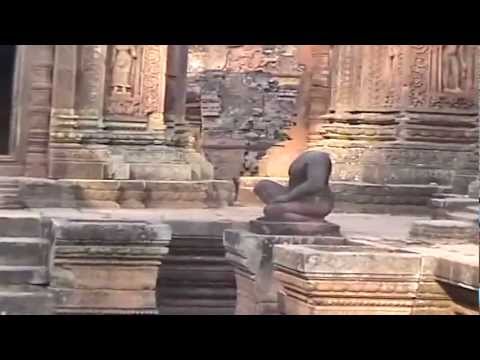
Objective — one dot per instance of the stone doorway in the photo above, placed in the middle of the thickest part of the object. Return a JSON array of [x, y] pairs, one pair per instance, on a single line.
[[7, 70]]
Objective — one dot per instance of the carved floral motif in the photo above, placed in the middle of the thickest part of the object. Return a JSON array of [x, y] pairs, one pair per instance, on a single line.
[[419, 69]]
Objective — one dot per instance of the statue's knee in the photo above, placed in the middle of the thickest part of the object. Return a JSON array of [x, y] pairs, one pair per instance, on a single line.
[[261, 186], [273, 211]]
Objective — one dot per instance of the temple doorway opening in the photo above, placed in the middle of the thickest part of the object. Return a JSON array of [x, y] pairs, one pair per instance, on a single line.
[[7, 68]]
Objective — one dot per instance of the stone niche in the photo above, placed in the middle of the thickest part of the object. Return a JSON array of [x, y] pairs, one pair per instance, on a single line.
[[118, 113], [402, 114]]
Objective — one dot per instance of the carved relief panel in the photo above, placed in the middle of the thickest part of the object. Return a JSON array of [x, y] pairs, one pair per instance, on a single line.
[[429, 78], [442, 78], [135, 80], [381, 77], [452, 77], [124, 80]]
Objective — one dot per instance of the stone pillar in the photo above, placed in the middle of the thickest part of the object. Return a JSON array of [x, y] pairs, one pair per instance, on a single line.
[[402, 114], [176, 88]]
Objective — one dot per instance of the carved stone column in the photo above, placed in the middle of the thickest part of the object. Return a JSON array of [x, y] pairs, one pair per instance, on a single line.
[[402, 114], [176, 90]]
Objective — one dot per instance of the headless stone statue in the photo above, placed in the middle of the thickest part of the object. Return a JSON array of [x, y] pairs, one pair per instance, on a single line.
[[307, 198]]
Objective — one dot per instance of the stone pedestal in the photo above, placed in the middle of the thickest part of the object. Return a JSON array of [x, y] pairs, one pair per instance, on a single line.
[[107, 267], [251, 256], [352, 280], [266, 227]]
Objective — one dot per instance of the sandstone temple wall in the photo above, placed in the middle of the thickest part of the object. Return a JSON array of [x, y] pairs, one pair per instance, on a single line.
[[101, 112], [402, 114], [247, 99]]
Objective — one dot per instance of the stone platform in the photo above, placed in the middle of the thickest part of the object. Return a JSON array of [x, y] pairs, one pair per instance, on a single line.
[[129, 194], [371, 279], [358, 197], [201, 281]]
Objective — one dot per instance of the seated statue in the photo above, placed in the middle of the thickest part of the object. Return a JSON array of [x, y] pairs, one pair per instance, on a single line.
[[307, 198]]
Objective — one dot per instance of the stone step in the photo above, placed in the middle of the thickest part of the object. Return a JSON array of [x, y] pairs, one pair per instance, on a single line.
[[10, 200], [181, 292], [11, 206], [21, 275], [472, 209], [26, 300], [453, 204], [20, 226], [196, 310], [462, 216], [16, 251], [4, 183], [7, 190], [7, 195]]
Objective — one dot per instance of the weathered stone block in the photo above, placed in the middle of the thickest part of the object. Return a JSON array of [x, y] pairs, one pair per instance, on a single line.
[[21, 275], [111, 232], [17, 251], [108, 266], [45, 193], [112, 277], [348, 280], [21, 226], [251, 256], [444, 231], [165, 172], [66, 170], [105, 301], [26, 300], [474, 189]]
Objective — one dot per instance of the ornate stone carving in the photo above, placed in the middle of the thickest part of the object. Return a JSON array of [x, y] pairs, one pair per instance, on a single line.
[[454, 68], [343, 90], [124, 59], [452, 78], [153, 78], [137, 82], [124, 83], [419, 70]]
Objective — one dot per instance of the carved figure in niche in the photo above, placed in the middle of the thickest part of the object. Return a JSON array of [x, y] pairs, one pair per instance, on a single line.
[[393, 58], [124, 57], [454, 68], [308, 197]]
